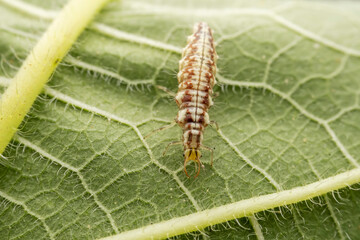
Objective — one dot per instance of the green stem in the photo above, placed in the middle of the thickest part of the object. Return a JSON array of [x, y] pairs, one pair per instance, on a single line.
[[41, 63], [243, 208]]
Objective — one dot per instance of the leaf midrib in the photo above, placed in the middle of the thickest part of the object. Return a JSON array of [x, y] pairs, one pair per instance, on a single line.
[[354, 174], [200, 220], [325, 123]]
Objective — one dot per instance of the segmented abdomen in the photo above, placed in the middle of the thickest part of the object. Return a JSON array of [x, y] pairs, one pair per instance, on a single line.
[[196, 80]]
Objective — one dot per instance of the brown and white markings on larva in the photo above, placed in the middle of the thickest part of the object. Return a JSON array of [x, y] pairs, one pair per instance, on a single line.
[[196, 77]]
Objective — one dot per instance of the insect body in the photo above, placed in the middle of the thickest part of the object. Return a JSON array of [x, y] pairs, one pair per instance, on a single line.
[[196, 80]]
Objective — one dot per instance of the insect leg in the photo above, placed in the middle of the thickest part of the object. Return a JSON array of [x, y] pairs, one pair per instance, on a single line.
[[168, 91], [160, 129], [215, 94], [211, 151], [172, 144], [216, 125]]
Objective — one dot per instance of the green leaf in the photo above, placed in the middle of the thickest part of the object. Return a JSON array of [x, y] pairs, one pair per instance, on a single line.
[[288, 111]]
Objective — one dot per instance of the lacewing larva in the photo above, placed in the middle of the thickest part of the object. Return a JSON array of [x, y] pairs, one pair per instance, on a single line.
[[196, 77]]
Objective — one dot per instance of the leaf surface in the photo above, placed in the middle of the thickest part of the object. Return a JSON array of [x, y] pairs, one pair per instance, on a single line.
[[288, 111]]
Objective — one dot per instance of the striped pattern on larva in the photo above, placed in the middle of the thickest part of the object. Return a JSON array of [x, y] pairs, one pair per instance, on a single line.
[[196, 81]]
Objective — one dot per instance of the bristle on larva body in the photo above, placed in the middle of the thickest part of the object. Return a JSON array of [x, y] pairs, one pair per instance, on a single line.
[[196, 77]]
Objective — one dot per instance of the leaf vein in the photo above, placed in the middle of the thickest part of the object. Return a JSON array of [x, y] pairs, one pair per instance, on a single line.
[[329, 206], [278, 54], [302, 110], [23, 205], [249, 162], [67, 99], [241, 208], [107, 30], [83, 182], [257, 227]]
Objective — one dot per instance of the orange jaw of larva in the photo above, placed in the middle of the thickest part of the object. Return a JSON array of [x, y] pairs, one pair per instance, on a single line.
[[192, 155]]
